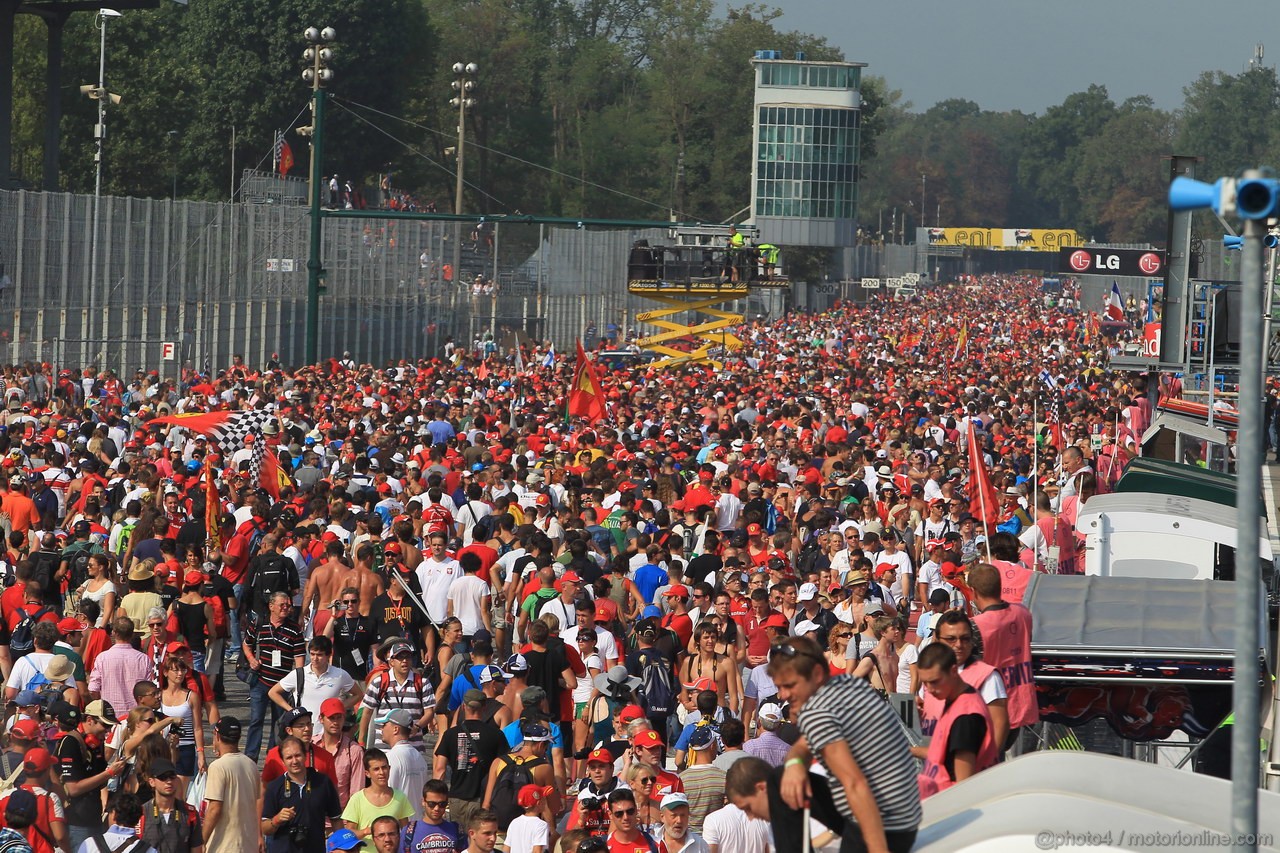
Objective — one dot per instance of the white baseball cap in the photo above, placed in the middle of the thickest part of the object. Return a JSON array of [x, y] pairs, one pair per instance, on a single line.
[[807, 592]]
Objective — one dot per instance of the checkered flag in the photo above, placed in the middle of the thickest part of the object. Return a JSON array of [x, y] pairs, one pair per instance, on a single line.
[[231, 434]]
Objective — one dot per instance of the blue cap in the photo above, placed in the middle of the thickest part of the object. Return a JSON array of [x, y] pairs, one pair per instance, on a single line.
[[701, 737], [26, 697], [343, 839], [479, 466], [651, 611]]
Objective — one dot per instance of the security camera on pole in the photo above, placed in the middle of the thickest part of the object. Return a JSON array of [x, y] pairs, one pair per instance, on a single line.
[[464, 86], [1255, 199], [319, 54], [100, 94]]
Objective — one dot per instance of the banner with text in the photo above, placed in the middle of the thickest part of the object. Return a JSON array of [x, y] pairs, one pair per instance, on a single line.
[[1001, 239]]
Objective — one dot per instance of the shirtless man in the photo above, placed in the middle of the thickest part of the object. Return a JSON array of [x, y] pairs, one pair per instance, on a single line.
[[326, 582], [410, 553]]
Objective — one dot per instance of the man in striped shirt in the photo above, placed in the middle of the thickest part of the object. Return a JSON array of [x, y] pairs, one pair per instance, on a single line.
[[869, 791], [273, 648]]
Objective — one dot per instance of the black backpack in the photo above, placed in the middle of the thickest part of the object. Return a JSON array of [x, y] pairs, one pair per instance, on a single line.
[[22, 641], [44, 565], [514, 776], [77, 558], [657, 691]]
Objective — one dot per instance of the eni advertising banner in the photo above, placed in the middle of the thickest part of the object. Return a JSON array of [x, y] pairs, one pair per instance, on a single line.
[[1001, 239]]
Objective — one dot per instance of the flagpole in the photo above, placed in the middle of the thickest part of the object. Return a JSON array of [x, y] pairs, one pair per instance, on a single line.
[[1035, 473]]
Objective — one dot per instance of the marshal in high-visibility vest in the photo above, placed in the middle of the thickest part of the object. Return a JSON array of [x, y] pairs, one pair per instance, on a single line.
[[768, 258]]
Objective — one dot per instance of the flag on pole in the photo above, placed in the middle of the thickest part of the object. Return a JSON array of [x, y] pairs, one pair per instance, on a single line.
[[962, 342], [1115, 305], [984, 504], [229, 430], [212, 510], [549, 360], [519, 358], [1052, 419], [286, 157], [585, 398], [482, 372]]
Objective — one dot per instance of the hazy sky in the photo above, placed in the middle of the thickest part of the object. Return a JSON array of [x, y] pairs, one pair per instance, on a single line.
[[1029, 55]]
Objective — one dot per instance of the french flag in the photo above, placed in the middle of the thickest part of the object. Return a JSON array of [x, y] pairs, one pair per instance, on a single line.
[[1115, 305]]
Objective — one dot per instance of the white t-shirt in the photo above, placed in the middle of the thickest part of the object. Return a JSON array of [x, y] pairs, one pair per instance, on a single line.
[[605, 644], [467, 516], [730, 831], [334, 683], [409, 772], [910, 654], [436, 577], [27, 668], [582, 690], [525, 833], [467, 595]]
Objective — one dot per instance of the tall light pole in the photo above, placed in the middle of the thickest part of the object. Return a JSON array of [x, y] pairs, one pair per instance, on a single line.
[[319, 53], [100, 94], [924, 183], [463, 85]]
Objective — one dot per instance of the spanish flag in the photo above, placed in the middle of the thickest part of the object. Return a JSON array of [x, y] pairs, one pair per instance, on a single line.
[[585, 398], [962, 343], [212, 510]]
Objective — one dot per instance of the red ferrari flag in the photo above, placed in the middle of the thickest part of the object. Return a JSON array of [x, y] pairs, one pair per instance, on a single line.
[[984, 504], [585, 398], [286, 158]]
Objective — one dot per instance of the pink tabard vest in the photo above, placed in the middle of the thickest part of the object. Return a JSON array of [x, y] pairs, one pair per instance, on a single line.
[[973, 674], [934, 777], [1006, 645]]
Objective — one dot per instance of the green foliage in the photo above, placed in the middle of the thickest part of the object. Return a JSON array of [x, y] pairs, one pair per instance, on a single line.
[[611, 108]]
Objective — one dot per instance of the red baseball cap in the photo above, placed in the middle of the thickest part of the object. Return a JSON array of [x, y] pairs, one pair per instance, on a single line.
[[600, 756], [332, 706], [631, 713], [703, 684], [648, 737], [70, 623], [754, 529], [37, 760], [26, 729], [194, 578], [676, 590], [777, 620]]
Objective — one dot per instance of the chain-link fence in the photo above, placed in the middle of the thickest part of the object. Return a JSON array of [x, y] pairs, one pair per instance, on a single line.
[[216, 280]]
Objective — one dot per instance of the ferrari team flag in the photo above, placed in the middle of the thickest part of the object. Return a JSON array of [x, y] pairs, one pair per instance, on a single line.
[[585, 398], [212, 510], [229, 430], [286, 157], [962, 342], [984, 504], [1115, 305]]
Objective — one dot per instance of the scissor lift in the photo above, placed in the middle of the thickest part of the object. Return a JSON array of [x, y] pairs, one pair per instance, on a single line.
[[695, 276]]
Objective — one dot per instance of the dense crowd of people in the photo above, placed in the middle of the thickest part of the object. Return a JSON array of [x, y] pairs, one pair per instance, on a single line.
[[464, 619]]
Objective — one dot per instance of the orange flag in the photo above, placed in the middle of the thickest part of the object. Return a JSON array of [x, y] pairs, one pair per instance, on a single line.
[[585, 397], [212, 510]]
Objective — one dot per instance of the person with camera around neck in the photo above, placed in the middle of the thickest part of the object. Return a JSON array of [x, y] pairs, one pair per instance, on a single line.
[[310, 686], [296, 806]]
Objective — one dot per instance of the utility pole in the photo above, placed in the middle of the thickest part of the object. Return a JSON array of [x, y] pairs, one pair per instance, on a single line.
[[463, 85], [319, 53], [924, 183], [100, 94]]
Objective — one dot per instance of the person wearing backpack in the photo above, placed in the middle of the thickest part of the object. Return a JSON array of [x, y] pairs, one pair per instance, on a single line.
[[123, 815], [25, 638], [527, 765], [46, 572], [270, 572], [74, 565], [657, 692]]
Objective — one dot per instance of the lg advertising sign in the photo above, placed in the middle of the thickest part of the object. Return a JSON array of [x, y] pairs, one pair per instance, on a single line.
[[1139, 262]]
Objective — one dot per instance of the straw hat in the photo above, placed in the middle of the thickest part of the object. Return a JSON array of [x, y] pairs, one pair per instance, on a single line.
[[59, 669], [141, 572]]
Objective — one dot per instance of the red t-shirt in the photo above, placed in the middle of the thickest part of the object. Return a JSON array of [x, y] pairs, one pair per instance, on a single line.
[[681, 624], [320, 759], [15, 615], [487, 556]]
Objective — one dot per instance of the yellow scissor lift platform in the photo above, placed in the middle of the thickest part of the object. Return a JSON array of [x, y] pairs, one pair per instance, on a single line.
[[693, 280]]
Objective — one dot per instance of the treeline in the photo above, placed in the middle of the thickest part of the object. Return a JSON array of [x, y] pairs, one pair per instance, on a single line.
[[1088, 163], [605, 108]]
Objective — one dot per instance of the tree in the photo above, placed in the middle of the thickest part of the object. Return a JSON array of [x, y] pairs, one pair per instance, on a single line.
[[1120, 180], [1051, 156], [1231, 120]]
